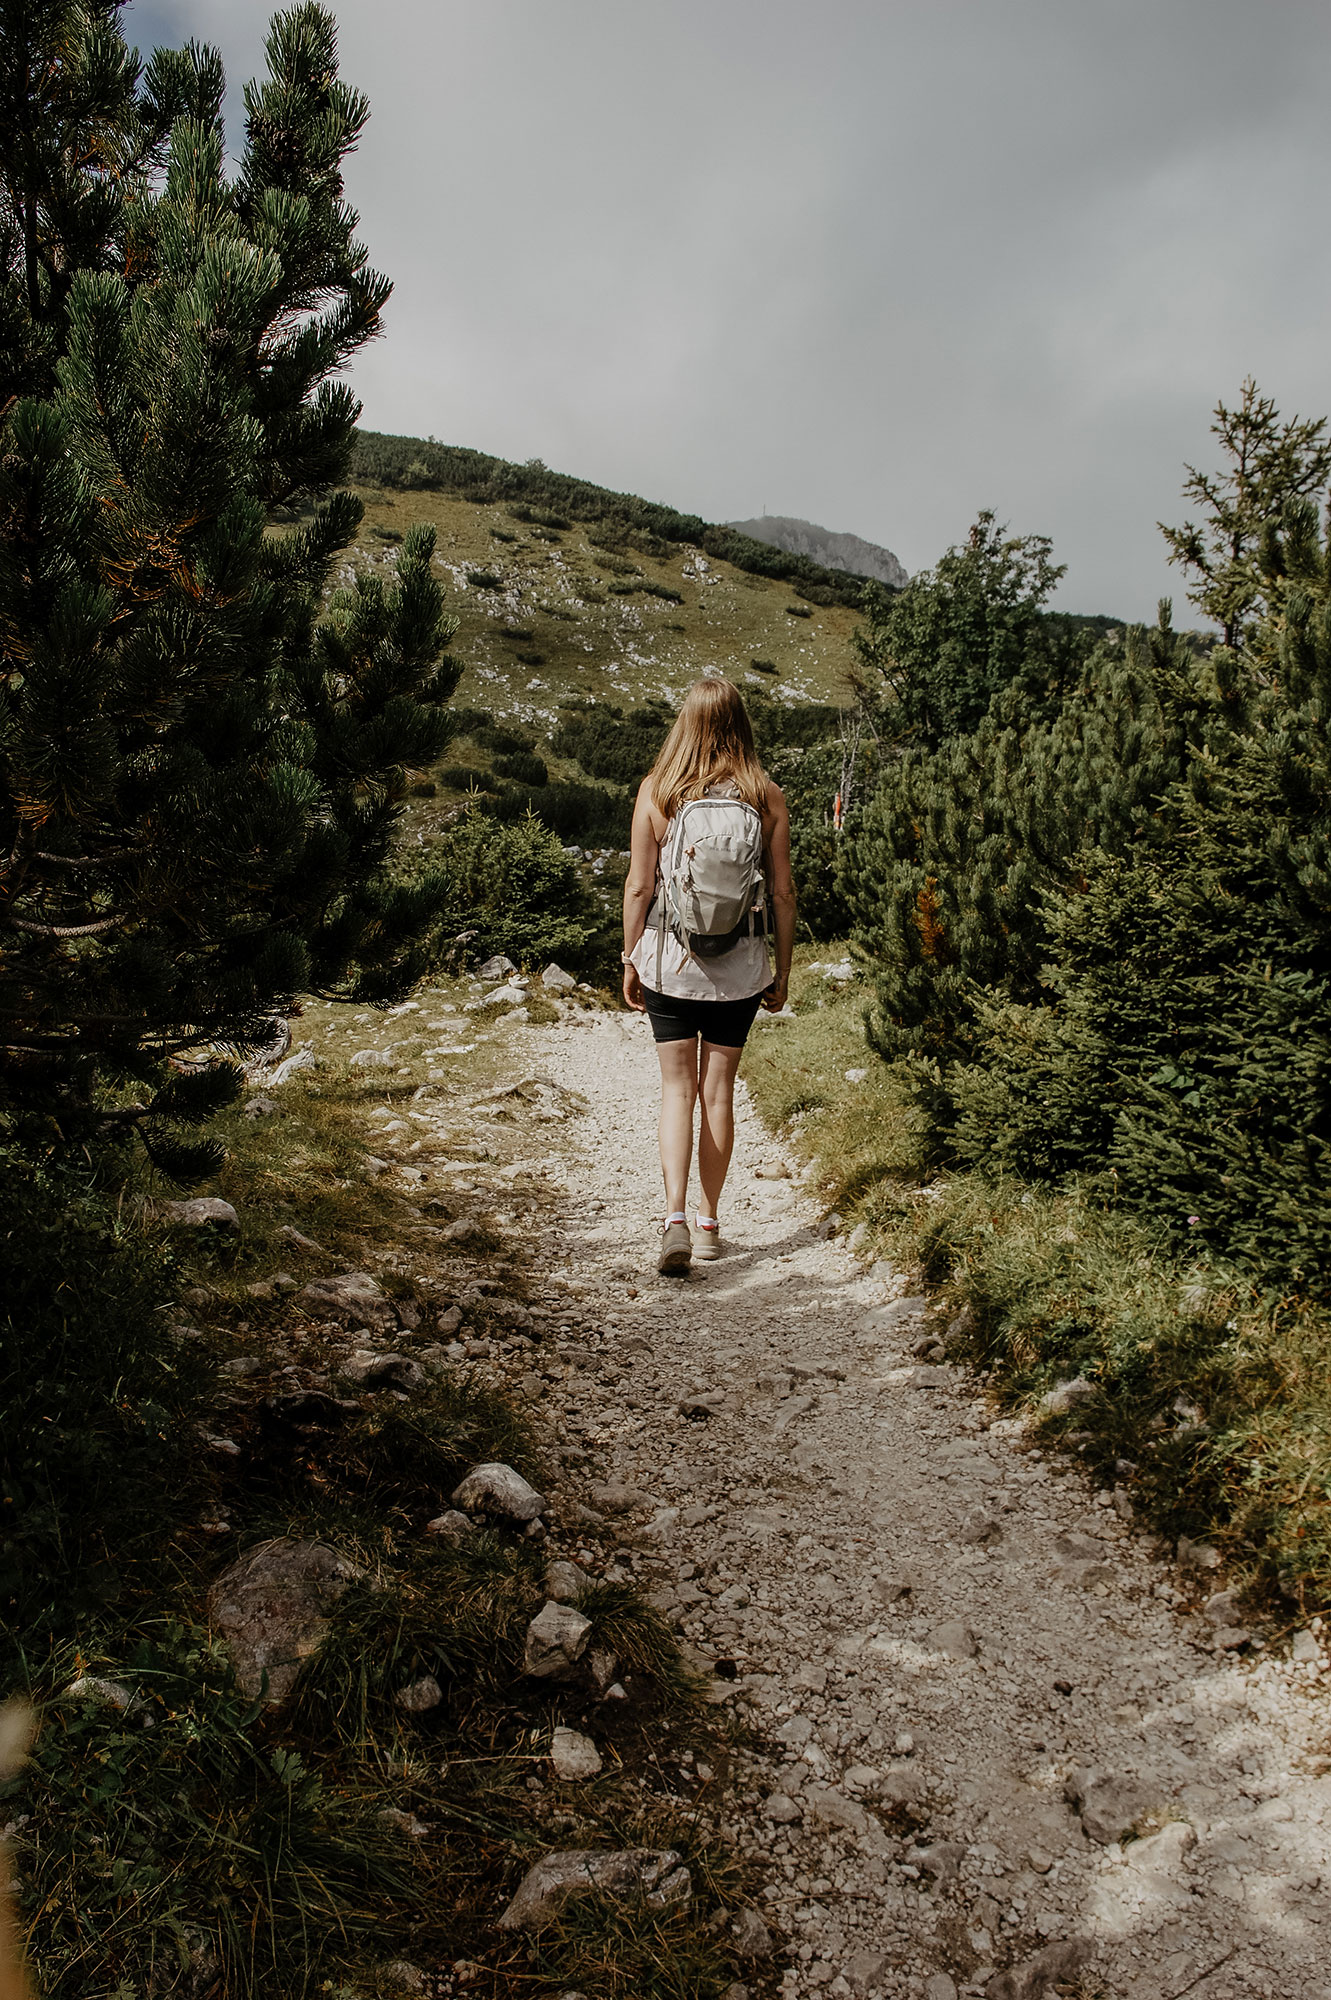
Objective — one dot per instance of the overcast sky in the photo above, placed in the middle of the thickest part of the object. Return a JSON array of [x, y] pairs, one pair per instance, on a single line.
[[879, 263]]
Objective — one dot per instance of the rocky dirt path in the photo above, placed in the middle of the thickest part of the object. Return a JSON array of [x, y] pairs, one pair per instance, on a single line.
[[1002, 1742]]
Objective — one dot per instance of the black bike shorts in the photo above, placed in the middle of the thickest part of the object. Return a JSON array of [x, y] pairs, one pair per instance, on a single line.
[[725, 1023]]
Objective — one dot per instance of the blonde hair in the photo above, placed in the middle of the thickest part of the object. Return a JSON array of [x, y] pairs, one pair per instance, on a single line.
[[712, 739]]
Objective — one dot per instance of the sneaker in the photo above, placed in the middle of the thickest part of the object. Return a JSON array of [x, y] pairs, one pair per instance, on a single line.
[[708, 1242], [676, 1247]]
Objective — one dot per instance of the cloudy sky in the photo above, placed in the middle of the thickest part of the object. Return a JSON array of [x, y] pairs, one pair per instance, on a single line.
[[880, 263]]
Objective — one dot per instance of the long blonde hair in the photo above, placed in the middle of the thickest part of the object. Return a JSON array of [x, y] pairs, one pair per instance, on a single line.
[[712, 739]]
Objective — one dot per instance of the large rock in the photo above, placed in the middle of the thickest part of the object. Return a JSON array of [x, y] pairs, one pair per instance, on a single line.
[[203, 1212], [382, 1371], [373, 1059], [556, 1640], [1107, 1801], [574, 1756], [556, 980], [653, 1873], [351, 1295], [497, 1489], [1065, 1397], [1032, 1979], [954, 1639], [271, 1610], [495, 968], [750, 1935]]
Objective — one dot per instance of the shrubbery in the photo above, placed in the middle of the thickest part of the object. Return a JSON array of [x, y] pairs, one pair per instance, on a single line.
[[507, 886], [1100, 917]]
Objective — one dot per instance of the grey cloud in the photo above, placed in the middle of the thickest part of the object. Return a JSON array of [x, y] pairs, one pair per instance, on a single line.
[[877, 265]]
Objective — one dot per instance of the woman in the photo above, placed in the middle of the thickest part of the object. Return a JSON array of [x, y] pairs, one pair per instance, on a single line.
[[702, 1007]]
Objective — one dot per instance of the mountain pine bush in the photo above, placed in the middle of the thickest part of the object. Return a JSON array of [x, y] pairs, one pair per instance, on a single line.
[[1101, 928], [200, 772]]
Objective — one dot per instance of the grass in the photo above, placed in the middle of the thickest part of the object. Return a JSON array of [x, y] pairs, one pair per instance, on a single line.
[[1213, 1404], [200, 1843]]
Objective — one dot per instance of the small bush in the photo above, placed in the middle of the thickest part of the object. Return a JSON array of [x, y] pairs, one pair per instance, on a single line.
[[541, 517], [503, 534], [519, 632], [764, 666], [561, 612], [609, 744], [502, 742], [663, 591], [587, 814], [484, 579], [466, 721], [461, 778], [508, 882], [798, 611], [523, 769], [387, 534], [531, 659]]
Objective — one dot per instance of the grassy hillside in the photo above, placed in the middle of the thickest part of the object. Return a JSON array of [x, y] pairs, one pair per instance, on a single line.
[[548, 614]]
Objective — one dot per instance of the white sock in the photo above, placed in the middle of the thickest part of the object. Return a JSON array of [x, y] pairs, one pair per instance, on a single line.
[[678, 1216], [707, 1221]]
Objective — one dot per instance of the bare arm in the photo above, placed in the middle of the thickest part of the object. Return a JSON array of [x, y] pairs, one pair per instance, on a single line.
[[780, 893], [639, 886]]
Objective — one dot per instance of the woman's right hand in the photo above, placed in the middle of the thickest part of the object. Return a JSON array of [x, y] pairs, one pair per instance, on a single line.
[[633, 990]]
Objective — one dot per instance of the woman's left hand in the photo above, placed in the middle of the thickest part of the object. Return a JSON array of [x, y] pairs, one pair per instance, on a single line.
[[633, 990], [774, 996]]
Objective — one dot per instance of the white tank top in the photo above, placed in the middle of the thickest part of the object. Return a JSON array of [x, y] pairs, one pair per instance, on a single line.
[[736, 975]]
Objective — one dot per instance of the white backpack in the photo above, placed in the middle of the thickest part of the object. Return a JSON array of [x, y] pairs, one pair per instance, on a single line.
[[709, 890]]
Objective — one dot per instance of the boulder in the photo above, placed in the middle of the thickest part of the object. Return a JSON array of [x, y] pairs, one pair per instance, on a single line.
[[833, 1809], [1107, 1801], [495, 968], [304, 1058], [556, 1640], [574, 1756], [1033, 1977], [750, 1935], [954, 1639], [1197, 1555], [420, 1696], [382, 1371], [203, 1212], [929, 1377], [373, 1059], [260, 1107], [653, 1873], [565, 1583], [351, 1295], [556, 980], [497, 1489], [453, 1526], [271, 1610], [1067, 1396]]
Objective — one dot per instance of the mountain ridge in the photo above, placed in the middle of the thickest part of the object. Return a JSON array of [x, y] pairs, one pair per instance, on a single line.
[[829, 548]]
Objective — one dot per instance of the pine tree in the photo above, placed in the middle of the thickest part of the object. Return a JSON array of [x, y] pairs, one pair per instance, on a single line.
[[935, 654], [201, 770], [950, 871], [1270, 464]]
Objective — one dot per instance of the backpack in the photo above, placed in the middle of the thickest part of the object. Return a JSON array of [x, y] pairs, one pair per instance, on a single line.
[[709, 888]]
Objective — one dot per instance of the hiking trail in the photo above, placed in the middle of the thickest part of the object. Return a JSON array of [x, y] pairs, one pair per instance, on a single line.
[[1005, 1735]]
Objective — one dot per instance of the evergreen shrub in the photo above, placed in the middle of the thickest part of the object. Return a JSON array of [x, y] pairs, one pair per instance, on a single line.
[[524, 769], [507, 883]]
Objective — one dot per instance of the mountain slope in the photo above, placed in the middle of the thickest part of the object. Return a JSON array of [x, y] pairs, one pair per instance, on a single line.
[[825, 547]]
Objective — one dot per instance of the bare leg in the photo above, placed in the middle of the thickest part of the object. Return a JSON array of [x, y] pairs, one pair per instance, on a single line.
[[716, 1134], [679, 1094]]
